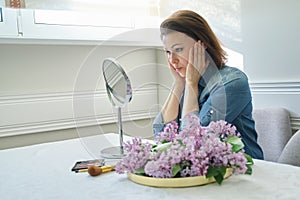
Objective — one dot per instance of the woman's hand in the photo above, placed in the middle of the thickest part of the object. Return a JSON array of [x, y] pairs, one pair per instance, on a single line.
[[170, 108], [196, 67], [179, 80], [197, 63]]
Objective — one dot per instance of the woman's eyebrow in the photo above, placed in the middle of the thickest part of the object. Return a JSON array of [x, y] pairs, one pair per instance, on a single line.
[[172, 47], [175, 45]]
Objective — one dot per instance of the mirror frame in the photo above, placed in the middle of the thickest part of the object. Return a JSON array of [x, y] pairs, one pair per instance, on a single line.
[[110, 90]]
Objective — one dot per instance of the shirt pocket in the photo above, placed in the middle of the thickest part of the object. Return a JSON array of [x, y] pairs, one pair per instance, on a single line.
[[206, 115]]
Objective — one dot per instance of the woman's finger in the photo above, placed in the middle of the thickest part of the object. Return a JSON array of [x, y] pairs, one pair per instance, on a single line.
[[191, 56], [196, 56]]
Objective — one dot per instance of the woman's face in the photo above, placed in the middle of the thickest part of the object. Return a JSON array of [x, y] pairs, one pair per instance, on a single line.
[[177, 46]]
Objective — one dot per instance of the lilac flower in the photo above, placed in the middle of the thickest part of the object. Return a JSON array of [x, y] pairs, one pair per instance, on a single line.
[[190, 152], [162, 165], [169, 132], [137, 157], [223, 129]]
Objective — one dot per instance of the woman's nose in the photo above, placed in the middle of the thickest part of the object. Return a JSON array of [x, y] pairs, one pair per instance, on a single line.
[[173, 58]]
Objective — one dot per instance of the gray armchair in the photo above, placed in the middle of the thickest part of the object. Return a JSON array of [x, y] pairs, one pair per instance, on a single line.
[[275, 135], [291, 152]]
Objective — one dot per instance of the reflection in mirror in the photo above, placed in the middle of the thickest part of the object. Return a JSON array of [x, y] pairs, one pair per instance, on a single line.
[[119, 92], [117, 82]]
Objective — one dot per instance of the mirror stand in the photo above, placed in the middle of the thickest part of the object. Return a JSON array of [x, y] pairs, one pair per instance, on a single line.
[[117, 151], [119, 93]]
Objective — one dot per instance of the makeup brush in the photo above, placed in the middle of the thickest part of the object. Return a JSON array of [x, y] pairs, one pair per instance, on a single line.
[[94, 170]]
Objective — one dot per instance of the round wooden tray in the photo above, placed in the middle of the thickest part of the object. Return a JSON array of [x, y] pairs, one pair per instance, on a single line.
[[173, 182]]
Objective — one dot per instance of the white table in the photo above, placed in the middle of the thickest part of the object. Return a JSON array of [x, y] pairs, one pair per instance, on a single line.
[[44, 172]]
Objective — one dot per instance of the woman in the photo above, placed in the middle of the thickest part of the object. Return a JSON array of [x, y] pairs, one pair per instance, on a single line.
[[203, 85]]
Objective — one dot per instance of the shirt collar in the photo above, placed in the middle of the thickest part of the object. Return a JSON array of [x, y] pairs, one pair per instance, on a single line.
[[211, 71]]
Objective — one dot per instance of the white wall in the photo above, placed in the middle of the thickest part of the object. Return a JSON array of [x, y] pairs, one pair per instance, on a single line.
[[271, 40], [46, 88], [271, 46]]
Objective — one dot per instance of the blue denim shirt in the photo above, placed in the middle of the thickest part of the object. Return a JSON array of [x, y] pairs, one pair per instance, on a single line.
[[224, 95]]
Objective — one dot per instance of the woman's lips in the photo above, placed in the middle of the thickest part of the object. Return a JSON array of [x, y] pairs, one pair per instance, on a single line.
[[177, 69]]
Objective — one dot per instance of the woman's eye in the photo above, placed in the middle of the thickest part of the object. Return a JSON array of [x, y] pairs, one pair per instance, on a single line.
[[168, 53], [178, 50]]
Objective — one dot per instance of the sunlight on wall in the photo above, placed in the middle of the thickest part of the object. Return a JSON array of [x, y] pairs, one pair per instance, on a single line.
[[234, 59]]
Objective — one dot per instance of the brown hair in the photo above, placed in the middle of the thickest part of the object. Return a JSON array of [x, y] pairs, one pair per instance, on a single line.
[[195, 26]]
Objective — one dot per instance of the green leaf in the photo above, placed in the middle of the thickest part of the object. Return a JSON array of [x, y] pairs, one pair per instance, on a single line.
[[217, 172], [140, 171], [175, 169], [249, 164], [180, 142], [219, 178], [249, 169], [162, 147], [249, 159], [236, 143]]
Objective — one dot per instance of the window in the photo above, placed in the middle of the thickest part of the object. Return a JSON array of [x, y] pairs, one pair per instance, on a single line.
[[111, 7]]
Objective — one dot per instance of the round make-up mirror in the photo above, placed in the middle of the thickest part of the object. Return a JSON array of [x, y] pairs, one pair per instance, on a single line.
[[119, 92]]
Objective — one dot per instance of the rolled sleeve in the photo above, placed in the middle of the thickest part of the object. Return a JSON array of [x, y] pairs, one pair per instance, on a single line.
[[158, 124], [185, 123]]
